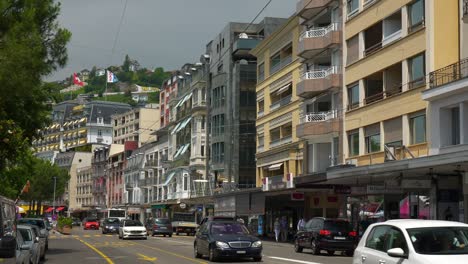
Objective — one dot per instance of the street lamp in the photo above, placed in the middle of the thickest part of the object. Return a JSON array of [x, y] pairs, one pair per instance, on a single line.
[[53, 202]]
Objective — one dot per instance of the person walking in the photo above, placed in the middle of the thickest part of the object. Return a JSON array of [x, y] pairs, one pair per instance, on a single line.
[[284, 229], [276, 227], [300, 224]]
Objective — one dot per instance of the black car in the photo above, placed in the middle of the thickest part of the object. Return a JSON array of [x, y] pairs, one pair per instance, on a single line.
[[76, 222], [159, 226], [226, 239], [326, 234], [110, 225]]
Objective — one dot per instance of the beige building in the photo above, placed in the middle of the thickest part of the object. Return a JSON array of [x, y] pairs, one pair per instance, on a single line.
[[84, 195], [136, 125]]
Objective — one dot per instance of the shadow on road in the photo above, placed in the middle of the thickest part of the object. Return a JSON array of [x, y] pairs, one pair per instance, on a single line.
[[58, 251]]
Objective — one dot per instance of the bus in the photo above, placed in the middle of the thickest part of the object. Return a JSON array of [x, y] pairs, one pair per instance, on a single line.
[[8, 246], [119, 213]]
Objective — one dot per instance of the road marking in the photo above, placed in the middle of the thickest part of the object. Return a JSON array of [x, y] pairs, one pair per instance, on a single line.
[[97, 251], [143, 257], [293, 260], [97, 235], [86, 236], [172, 253]]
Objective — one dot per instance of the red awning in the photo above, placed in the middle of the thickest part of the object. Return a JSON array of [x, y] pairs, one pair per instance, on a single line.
[[49, 210], [60, 209]]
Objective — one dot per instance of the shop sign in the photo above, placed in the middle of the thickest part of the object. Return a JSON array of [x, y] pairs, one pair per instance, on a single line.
[[342, 190], [148, 210], [297, 196], [382, 189], [182, 205], [416, 184], [133, 210]]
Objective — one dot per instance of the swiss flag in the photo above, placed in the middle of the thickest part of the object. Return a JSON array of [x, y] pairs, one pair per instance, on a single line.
[[77, 80]]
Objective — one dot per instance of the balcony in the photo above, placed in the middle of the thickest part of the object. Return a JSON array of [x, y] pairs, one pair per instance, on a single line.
[[280, 103], [243, 45], [307, 9], [314, 41], [199, 105], [316, 82], [316, 124], [449, 74], [281, 64], [281, 141]]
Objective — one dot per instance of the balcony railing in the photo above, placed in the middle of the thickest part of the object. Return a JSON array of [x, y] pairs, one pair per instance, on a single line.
[[320, 73], [319, 32], [284, 61], [451, 73], [281, 141], [282, 102], [320, 116]]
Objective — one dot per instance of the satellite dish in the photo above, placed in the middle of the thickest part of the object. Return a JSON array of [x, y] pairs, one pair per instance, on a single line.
[[243, 36]]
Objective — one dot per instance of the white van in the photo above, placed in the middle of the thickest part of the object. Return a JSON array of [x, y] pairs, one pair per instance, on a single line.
[[7, 231]]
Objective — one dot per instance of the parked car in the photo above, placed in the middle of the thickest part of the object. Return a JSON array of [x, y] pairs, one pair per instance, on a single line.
[[30, 239], [326, 234], [226, 239], [91, 223], [159, 226], [42, 241], [110, 225], [23, 251], [413, 241], [76, 221], [43, 226], [132, 229]]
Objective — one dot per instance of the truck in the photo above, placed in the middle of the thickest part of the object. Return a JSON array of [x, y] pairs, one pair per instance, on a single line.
[[184, 223]]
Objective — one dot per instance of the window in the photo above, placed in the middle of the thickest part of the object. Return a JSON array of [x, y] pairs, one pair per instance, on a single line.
[[203, 122], [99, 133], [202, 150], [418, 128], [396, 239], [261, 72], [100, 120], [220, 68], [261, 106], [185, 183], [417, 71], [353, 50], [393, 135], [372, 137], [353, 96], [274, 61], [376, 238], [261, 140], [353, 142], [416, 15], [352, 7], [455, 125]]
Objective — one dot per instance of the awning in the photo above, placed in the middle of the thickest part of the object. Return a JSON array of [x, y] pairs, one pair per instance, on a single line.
[[175, 129], [60, 208], [169, 177], [83, 119], [76, 122], [158, 206], [49, 210], [184, 124], [81, 131], [184, 149], [283, 89], [275, 166]]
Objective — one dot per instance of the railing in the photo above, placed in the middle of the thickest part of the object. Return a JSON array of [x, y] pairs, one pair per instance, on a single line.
[[231, 187], [198, 103], [374, 48], [319, 32], [320, 73], [281, 141], [451, 73], [282, 102], [283, 62], [320, 116]]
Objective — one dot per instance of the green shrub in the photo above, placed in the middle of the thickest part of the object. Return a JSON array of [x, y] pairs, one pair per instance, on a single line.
[[64, 221]]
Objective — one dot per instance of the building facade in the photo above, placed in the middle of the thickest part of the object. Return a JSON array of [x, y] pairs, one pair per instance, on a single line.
[[84, 186], [136, 125]]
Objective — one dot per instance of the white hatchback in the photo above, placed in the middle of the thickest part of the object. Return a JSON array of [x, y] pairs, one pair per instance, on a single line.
[[413, 241]]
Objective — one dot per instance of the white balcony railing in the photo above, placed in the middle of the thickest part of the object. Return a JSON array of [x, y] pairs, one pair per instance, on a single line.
[[319, 32], [392, 37], [320, 116], [320, 74]]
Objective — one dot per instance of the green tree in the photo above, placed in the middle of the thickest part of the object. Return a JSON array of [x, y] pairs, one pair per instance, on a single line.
[[126, 64], [32, 46]]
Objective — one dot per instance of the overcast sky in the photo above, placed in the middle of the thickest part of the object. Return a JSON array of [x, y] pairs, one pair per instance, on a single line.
[[157, 33]]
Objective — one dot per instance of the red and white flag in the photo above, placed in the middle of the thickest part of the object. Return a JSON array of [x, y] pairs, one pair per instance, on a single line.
[[77, 80]]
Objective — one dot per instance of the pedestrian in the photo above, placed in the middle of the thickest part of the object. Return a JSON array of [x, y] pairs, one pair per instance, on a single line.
[[277, 229], [284, 229], [300, 224]]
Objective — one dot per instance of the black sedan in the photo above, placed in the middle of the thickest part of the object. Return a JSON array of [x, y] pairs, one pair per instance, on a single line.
[[226, 239], [110, 225]]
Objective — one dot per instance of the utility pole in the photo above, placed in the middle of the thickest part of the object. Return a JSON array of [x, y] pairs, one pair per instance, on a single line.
[[53, 203]]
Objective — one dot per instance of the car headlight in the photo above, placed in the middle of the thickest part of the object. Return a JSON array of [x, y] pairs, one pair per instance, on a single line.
[[257, 244], [222, 244], [126, 231]]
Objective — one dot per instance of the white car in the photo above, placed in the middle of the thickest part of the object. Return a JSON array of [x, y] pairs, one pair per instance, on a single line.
[[413, 241], [132, 229]]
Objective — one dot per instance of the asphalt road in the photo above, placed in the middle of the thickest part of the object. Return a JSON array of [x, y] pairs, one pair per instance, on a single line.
[[93, 247]]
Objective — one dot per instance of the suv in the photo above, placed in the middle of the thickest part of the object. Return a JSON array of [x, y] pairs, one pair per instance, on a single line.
[[43, 226], [8, 239], [326, 234], [159, 226]]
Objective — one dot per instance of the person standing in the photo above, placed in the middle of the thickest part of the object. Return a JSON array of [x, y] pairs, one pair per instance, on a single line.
[[300, 224], [276, 227], [284, 229]]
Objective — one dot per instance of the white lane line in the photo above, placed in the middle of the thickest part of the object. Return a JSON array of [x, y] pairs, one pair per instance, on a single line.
[[293, 260]]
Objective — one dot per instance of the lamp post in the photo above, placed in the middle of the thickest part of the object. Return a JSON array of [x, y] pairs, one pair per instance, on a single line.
[[53, 203]]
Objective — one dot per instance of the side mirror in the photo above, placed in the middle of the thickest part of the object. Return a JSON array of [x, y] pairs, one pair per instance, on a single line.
[[25, 247], [396, 253], [36, 240]]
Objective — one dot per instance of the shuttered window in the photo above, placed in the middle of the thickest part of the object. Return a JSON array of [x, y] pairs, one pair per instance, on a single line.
[[353, 50], [393, 132]]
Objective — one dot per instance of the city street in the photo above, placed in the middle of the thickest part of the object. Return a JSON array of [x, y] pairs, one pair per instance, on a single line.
[[93, 247]]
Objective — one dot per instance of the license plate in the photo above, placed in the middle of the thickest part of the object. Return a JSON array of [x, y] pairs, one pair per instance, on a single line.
[[339, 238], [241, 252], [163, 227]]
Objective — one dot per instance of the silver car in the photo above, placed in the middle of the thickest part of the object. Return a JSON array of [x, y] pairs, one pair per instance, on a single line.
[[32, 240], [42, 224], [23, 251], [42, 241]]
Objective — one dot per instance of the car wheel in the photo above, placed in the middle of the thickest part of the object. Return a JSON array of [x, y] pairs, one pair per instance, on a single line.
[[349, 253], [331, 252], [212, 256], [315, 249], [257, 259], [297, 248], [195, 252]]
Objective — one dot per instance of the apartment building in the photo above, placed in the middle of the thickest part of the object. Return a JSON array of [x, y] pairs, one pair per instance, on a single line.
[[168, 92], [136, 125], [84, 184]]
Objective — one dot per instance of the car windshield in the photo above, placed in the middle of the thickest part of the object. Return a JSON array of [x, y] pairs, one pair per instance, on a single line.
[[112, 221], [228, 229], [91, 220], [439, 240], [38, 223], [162, 221], [25, 234], [133, 223], [337, 226]]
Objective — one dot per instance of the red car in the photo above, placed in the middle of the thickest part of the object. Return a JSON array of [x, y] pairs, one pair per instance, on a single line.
[[91, 223]]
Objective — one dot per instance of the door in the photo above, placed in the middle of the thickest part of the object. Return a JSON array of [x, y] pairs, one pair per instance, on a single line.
[[374, 250], [203, 240]]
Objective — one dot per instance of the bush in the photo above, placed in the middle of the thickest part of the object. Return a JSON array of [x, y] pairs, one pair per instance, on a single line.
[[64, 221]]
